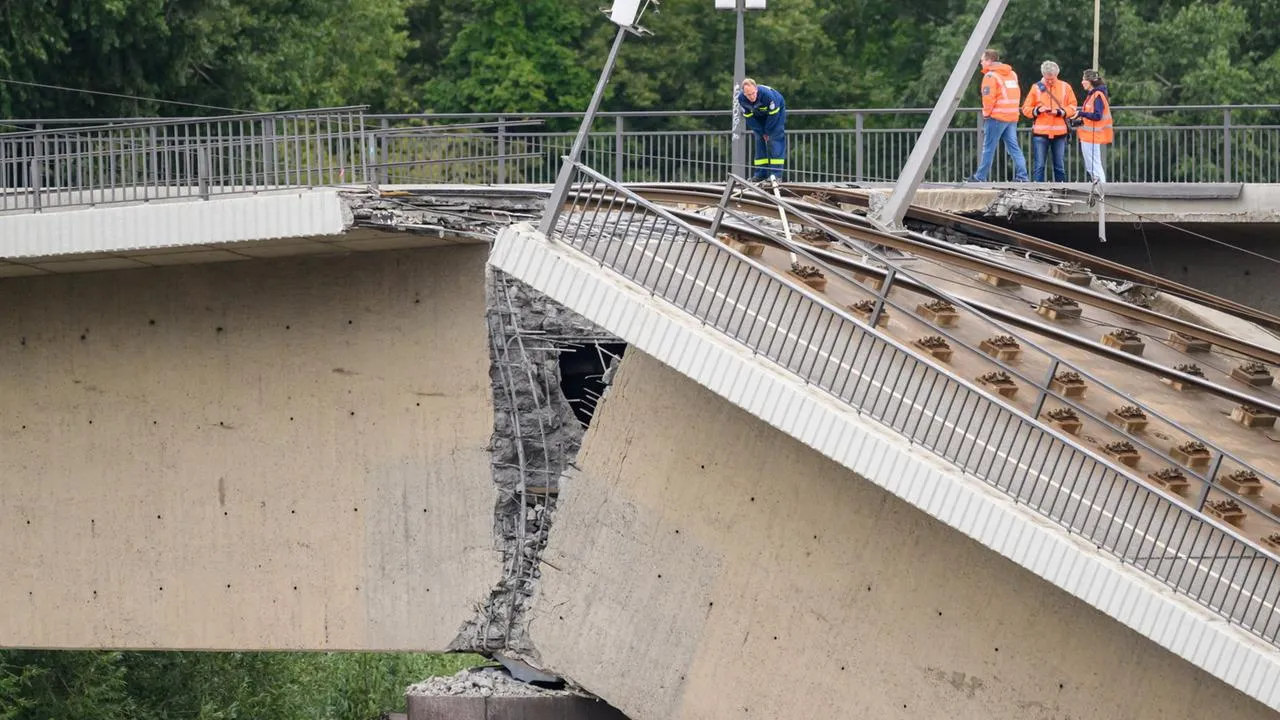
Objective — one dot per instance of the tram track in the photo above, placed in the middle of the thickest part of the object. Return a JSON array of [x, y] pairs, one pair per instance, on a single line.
[[857, 227]]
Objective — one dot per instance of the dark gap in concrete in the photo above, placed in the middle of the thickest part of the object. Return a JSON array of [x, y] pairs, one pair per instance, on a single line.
[[582, 375]]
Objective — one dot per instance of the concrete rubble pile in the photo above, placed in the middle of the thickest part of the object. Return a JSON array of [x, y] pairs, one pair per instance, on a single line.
[[485, 682]]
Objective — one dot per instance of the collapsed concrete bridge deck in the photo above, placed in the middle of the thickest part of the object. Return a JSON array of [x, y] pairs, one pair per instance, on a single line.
[[347, 483]]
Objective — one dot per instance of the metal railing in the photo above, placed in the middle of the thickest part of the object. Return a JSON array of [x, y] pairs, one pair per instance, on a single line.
[[68, 162], [877, 376], [1152, 144], [65, 166]]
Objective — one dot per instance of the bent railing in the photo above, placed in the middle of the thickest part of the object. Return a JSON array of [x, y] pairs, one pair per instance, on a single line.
[[927, 403]]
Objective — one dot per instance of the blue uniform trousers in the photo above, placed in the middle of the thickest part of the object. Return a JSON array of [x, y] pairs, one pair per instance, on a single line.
[[771, 157]]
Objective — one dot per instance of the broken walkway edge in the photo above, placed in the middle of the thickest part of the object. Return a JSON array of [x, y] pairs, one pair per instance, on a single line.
[[873, 451]]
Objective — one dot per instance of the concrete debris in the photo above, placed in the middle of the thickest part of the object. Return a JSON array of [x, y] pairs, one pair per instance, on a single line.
[[442, 213], [485, 682]]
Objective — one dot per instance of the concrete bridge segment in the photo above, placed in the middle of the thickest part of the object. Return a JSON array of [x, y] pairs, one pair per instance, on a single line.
[[862, 446], [684, 546], [281, 454]]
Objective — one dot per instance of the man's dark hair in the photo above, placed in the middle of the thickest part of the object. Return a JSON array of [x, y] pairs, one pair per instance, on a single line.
[[991, 55]]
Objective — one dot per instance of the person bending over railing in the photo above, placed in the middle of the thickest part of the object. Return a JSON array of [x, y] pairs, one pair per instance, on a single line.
[[766, 115]]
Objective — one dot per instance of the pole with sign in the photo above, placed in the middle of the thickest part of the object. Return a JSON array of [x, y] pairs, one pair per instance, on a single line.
[[625, 14]]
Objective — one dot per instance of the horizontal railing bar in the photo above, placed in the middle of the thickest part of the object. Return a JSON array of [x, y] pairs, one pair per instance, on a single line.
[[209, 120], [629, 113]]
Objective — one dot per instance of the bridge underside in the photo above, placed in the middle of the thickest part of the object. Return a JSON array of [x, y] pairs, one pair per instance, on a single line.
[[705, 565], [276, 454]]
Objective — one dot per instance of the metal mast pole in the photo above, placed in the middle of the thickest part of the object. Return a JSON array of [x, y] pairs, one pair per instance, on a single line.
[[739, 141], [1097, 17], [891, 213], [561, 190]]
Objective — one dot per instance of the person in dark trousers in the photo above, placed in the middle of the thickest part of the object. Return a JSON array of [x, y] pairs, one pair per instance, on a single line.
[[766, 115]]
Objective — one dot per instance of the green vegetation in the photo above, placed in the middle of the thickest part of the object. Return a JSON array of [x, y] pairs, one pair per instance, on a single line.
[[543, 55], [42, 685]]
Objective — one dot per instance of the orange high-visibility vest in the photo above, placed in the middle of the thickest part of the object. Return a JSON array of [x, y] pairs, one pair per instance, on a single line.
[[1053, 97], [1000, 93], [1098, 132]]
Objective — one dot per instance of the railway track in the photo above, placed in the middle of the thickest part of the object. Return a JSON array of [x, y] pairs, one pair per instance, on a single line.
[[858, 228], [1004, 237]]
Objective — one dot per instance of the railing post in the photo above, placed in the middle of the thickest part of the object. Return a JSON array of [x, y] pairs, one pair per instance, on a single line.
[[1226, 144], [384, 167], [155, 159], [202, 170], [1044, 389], [269, 170], [37, 167], [1208, 485], [889, 276], [619, 147], [859, 146], [502, 150], [729, 185], [977, 159]]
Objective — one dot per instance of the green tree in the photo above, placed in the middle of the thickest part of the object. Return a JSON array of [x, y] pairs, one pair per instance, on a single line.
[[509, 56], [241, 54]]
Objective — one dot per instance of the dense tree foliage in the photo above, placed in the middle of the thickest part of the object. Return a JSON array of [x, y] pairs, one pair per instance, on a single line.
[[543, 55]]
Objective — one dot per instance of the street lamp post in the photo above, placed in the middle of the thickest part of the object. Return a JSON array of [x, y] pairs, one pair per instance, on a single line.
[[739, 142], [1097, 17], [625, 14]]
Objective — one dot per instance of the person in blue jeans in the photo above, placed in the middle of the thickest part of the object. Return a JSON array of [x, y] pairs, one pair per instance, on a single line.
[[1000, 96], [1049, 103], [995, 132]]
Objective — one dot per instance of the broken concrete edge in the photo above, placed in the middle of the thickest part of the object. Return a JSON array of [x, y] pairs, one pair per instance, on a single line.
[[1135, 600], [536, 437], [460, 215]]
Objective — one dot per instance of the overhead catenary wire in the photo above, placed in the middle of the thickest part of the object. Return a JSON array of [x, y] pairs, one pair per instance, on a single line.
[[1144, 219], [123, 96]]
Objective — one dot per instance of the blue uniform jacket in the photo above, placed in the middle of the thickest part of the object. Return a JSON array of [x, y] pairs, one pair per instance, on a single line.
[[768, 114]]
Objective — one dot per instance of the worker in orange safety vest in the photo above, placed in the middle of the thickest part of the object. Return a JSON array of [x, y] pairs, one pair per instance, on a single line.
[[1049, 103], [1000, 95], [1093, 122]]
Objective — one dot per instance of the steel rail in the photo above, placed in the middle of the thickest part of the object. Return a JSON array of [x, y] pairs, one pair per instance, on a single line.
[[1005, 236], [844, 221], [820, 258], [1134, 361], [988, 232]]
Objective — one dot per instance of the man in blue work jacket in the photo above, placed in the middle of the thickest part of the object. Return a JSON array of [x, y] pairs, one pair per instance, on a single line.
[[766, 115]]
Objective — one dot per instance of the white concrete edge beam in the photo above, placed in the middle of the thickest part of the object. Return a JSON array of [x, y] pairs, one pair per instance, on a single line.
[[872, 451], [161, 224]]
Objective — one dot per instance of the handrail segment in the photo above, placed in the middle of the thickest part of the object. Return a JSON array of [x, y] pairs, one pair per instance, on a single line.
[[832, 351], [854, 226]]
